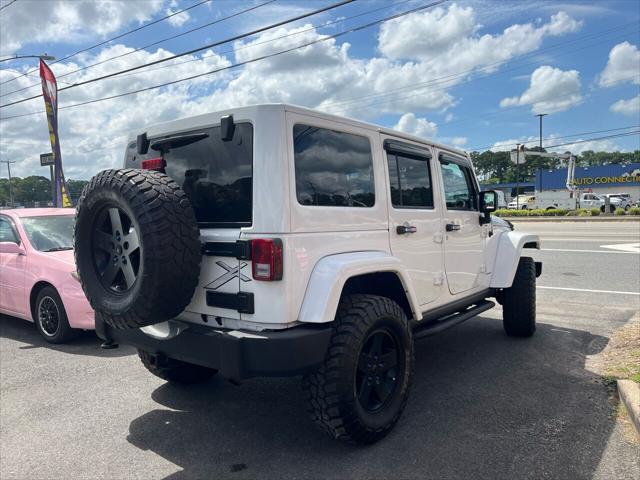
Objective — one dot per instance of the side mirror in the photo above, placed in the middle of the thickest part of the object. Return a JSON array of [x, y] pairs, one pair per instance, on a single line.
[[488, 204], [11, 247], [488, 201]]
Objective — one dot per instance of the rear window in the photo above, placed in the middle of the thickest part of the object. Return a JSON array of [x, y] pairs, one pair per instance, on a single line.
[[333, 169], [217, 176]]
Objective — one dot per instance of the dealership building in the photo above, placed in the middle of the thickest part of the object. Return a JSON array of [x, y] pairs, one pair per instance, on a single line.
[[600, 179]]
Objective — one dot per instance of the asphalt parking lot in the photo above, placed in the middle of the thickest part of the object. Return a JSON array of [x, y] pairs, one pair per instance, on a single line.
[[482, 405]]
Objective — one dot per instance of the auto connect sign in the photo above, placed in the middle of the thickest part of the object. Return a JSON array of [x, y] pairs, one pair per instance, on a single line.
[[616, 180], [600, 176]]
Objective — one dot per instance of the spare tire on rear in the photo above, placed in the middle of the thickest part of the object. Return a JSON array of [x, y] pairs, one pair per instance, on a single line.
[[137, 247]]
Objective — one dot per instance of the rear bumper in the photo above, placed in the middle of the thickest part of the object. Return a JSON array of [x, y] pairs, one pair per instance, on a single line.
[[235, 354]]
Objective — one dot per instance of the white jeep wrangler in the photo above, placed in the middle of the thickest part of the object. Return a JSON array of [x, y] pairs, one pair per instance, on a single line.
[[274, 241]]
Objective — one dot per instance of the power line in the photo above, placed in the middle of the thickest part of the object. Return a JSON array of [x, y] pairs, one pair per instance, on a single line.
[[555, 138], [323, 25], [464, 73], [626, 134], [324, 39], [7, 5], [195, 50], [172, 37], [113, 38]]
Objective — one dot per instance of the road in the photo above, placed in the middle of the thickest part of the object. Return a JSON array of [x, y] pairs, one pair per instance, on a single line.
[[482, 405]]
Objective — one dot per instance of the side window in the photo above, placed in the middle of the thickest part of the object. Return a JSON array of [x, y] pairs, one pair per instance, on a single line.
[[7, 234], [409, 181], [333, 169], [459, 189]]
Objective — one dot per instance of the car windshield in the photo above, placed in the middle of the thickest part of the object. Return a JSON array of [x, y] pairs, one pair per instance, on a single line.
[[50, 233]]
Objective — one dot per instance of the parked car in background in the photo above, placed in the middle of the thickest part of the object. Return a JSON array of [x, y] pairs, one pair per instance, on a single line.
[[592, 200], [625, 199], [521, 202], [38, 280]]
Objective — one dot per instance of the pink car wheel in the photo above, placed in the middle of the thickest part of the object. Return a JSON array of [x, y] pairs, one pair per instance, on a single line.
[[50, 317]]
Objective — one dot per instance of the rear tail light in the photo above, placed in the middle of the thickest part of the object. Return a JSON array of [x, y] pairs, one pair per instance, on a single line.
[[157, 163], [266, 255]]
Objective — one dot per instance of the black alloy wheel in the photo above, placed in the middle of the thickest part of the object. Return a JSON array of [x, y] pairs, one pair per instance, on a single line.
[[377, 373], [48, 316], [360, 390], [116, 250], [137, 247]]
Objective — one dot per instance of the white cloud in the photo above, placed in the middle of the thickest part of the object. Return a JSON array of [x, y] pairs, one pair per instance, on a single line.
[[448, 40], [93, 137], [627, 107], [562, 23], [324, 75], [419, 127], [458, 141], [51, 21], [550, 90], [575, 148], [596, 146], [179, 19], [426, 33], [623, 66], [509, 144]]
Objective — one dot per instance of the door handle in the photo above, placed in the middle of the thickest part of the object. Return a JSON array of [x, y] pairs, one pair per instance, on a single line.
[[452, 227], [404, 229]]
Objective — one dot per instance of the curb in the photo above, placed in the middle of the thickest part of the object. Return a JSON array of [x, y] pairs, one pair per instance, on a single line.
[[573, 219], [629, 392]]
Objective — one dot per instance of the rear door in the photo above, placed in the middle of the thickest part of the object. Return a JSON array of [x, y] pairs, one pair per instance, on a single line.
[[217, 177], [464, 236], [415, 220]]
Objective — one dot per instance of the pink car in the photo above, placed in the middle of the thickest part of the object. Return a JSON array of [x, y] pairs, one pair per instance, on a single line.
[[38, 280]]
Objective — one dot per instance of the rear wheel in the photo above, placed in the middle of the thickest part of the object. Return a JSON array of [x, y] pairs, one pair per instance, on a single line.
[[50, 317], [175, 370], [519, 301], [359, 392]]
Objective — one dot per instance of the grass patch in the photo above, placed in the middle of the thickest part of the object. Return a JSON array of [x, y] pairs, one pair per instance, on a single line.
[[621, 358]]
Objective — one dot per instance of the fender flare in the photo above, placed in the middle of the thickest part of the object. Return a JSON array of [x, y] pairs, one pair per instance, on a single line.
[[330, 274], [508, 254]]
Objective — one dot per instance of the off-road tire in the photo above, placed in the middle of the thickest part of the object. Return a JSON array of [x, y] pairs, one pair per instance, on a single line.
[[519, 301], [174, 370], [168, 236], [63, 332], [331, 389]]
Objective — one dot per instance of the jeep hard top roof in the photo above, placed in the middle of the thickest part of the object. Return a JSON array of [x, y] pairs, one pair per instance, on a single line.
[[239, 113]]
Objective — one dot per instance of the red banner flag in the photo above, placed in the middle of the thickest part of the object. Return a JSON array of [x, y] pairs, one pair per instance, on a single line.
[[50, 95]]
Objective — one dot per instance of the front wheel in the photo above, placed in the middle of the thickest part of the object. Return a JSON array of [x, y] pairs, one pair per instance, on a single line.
[[358, 394], [519, 301], [50, 317]]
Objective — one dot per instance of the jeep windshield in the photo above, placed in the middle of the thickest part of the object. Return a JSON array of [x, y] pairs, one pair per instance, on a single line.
[[216, 175]]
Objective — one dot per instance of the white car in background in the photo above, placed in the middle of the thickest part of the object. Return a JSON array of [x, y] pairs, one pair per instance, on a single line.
[[626, 201], [522, 202]]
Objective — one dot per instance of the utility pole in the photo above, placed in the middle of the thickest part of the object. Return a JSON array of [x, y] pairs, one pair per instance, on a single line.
[[540, 115], [518, 176], [10, 187]]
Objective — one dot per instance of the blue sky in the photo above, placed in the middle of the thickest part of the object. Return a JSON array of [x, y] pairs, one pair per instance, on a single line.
[[472, 74]]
